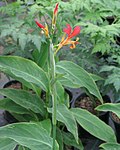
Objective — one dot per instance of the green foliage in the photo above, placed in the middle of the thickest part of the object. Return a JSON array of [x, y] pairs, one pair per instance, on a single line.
[[27, 73], [113, 76]]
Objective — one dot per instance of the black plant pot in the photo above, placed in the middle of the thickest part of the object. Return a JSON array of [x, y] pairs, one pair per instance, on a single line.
[[117, 128], [116, 122]]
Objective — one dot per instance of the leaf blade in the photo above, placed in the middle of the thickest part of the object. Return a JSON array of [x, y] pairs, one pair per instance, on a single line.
[[94, 125], [78, 76], [25, 99], [31, 135], [24, 69], [115, 108]]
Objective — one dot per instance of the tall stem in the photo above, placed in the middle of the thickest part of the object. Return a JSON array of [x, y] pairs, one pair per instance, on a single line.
[[53, 90]]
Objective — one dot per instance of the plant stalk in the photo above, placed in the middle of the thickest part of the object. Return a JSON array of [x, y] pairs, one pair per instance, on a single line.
[[53, 90]]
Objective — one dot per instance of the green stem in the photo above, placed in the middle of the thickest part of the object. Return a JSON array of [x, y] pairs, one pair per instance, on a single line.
[[53, 90], [54, 136]]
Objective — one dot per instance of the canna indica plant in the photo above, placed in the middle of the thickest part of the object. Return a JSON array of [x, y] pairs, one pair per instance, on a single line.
[[48, 123]]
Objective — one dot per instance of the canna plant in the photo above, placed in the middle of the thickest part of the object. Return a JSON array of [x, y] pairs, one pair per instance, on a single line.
[[48, 123]]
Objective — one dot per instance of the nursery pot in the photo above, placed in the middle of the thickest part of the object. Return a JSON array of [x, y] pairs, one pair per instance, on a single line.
[[116, 122], [16, 85]]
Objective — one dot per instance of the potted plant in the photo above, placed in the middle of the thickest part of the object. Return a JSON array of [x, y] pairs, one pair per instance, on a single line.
[[45, 123]]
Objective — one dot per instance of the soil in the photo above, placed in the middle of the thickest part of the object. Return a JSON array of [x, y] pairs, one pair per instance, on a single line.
[[87, 103], [14, 85], [115, 118]]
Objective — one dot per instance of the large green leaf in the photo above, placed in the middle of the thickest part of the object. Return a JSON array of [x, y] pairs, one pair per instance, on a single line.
[[110, 146], [11, 106], [94, 125], [115, 108], [24, 69], [7, 144], [25, 99], [65, 116], [77, 76], [35, 135]]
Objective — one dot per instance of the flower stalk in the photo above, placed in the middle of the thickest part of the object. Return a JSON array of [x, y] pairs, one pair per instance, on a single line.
[[53, 93]]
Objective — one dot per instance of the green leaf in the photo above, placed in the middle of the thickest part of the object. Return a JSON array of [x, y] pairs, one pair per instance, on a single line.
[[7, 144], [24, 69], [78, 76], [65, 116], [115, 108], [41, 57], [32, 135], [94, 125], [70, 141], [25, 99], [110, 146], [11, 106]]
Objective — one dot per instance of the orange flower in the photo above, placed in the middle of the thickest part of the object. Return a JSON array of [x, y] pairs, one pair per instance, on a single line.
[[55, 15], [70, 34], [44, 28]]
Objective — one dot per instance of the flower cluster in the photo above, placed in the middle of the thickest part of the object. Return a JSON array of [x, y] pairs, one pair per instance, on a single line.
[[68, 32]]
